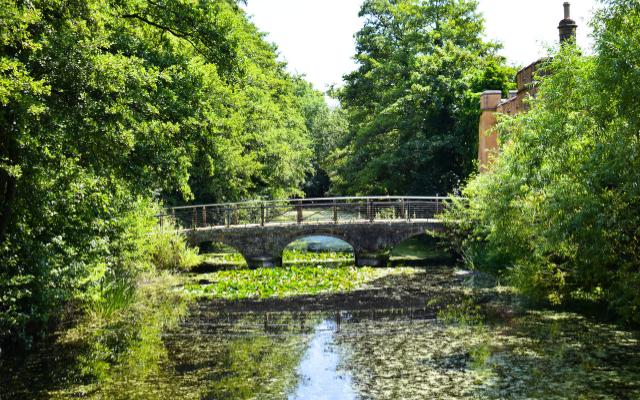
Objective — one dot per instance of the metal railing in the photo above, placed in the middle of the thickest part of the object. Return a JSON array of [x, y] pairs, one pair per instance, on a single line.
[[306, 211]]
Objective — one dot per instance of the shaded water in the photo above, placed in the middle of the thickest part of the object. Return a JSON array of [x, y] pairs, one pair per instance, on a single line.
[[423, 333]]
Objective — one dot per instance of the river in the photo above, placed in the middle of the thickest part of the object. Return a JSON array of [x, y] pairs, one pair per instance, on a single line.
[[431, 332]]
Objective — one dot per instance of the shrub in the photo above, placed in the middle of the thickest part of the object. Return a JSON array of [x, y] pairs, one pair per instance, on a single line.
[[170, 250], [558, 212]]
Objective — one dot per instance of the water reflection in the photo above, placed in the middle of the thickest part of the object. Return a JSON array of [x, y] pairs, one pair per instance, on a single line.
[[238, 355], [319, 374], [381, 347], [278, 355]]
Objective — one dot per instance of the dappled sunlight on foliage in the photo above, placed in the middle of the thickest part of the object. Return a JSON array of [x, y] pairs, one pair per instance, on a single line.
[[558, 213], [108, 108], [412, 104]]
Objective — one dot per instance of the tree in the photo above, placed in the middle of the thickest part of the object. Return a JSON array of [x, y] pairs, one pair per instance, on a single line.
[[327, 127], [107, 108], [558, 212], [413, 102]]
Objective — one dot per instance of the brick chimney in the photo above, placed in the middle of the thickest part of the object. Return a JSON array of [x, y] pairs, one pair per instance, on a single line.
[[567, 26]]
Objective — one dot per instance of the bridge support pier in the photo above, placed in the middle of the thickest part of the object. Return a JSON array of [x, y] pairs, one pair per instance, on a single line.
[[263, 261], [372, 259]]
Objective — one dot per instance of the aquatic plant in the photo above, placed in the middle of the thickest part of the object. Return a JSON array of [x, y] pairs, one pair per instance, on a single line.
[[116, 294], [279, 282], [304, 256]]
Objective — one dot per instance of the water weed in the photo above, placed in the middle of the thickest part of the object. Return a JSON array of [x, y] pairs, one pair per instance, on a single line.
[[279, 282]]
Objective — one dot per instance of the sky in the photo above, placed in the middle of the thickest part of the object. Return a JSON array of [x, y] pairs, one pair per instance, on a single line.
[[316, 37]]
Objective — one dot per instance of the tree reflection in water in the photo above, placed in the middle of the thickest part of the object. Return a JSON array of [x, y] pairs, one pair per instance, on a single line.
[[386, 344]]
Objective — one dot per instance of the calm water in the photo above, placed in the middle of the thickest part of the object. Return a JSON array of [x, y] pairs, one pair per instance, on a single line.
[[412, 336]]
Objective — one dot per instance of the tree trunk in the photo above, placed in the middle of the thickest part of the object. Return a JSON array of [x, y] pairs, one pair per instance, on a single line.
[[7, 206], [8, 183]]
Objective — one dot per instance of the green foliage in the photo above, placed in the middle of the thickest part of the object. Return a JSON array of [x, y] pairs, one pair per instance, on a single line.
[[235, 259], [413, 102], [280, 282], [115, 295], [107, 107], [170, 251], [289, 256], [327, 127], [309, 257], [559, 210]]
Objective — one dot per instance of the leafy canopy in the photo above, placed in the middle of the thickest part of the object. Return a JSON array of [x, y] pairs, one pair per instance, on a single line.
[[559, 211], [413, 102], [107, 108]]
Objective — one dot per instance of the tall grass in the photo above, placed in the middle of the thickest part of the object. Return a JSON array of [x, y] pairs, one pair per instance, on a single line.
[[170, 251], [117, 293], [163, 250]]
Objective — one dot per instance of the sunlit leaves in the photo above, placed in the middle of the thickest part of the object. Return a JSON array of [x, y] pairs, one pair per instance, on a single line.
[[110, 106], [413, 102], [560, 206]]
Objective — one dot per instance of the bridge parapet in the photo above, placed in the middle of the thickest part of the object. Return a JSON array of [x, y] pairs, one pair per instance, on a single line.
[[307, 211]]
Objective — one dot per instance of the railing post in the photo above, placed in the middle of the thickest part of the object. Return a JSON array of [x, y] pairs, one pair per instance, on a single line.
[[397, 208], [234, 215]]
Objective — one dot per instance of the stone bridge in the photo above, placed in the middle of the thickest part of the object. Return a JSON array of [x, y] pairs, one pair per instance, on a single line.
[[373, 226]]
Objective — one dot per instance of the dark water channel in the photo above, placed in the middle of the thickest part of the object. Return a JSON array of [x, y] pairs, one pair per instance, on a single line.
[[421, 333]]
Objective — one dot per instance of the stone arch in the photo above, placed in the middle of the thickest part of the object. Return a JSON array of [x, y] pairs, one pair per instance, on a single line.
[[256, 251], [262, 246], [407, 238]]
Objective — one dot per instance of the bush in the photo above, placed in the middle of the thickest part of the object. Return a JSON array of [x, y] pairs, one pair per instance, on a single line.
[[170, 251], [558, 213]]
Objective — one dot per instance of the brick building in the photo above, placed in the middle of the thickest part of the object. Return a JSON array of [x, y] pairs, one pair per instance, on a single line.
[[492, 103]]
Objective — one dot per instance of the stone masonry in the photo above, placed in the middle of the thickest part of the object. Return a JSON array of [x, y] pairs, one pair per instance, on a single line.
[[262, 246]]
